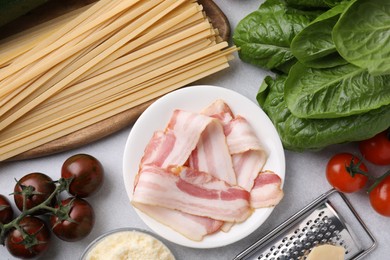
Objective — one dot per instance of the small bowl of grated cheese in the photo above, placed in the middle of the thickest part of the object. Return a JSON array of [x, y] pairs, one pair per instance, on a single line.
[[127, 243]]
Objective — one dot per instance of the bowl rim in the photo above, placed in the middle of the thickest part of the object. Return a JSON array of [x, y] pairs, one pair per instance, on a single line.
[[99, 238]]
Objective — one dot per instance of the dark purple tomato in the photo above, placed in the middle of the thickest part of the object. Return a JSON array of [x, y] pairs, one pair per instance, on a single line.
[[39, 186], [35, 241], [6, 211], [75, 225], [87, 173]]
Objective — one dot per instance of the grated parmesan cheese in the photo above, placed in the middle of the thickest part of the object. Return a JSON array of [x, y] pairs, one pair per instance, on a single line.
[[130, 245]]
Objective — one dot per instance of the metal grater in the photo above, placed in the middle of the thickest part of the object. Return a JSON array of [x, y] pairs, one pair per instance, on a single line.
[[318, 223]]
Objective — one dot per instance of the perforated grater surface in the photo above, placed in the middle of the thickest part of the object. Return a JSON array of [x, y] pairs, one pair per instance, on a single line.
[[318, 223]]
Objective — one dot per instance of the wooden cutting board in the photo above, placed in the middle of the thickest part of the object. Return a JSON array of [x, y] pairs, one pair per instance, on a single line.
[[110, 125]]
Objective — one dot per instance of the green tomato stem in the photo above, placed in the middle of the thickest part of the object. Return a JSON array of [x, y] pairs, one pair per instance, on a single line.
[[354, 168], [378, 180], [4, 228]]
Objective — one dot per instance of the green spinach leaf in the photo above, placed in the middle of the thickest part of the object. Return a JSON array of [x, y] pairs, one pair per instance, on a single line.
[[332, 3], [307, 3], [264, 36], [362, 35], [312, 134], [334, 92], [314, 46]]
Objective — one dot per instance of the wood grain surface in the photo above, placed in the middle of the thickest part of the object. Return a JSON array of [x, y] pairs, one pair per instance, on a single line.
[[110, 125]]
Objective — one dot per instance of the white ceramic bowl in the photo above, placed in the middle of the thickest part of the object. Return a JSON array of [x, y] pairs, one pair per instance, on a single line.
[[195, 98]]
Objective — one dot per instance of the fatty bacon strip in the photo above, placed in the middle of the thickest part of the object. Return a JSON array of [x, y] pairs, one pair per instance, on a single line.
[[204, 169], [266, 191], [248, 155], [175, 144], [212, 155], [191, 226], [193, 192]]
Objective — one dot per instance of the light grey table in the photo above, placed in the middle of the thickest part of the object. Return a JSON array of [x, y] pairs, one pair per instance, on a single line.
[[305, 175]]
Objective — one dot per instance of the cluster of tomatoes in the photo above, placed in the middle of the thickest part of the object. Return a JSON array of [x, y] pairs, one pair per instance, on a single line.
[[43, 208], [347, 173]]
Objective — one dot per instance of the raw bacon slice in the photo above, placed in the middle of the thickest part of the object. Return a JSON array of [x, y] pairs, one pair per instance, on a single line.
[[247, 152], [219, 110], [212, 155], [247, 166], [175, 144], [240, 136], [158, 148], [227, 226], [192, 192], [191, 226], [267, 191]]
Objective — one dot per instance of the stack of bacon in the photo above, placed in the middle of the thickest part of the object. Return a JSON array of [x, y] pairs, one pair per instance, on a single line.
[[203, 173]]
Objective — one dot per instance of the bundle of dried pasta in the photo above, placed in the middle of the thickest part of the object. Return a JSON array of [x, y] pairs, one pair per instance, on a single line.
[[113, 56], [17, 44]]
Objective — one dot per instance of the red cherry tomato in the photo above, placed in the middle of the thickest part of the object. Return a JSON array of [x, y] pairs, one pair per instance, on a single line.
[[377, 149], [340, 178], [87, 173], [6, 211], [80, 224], [27, 247], [380, 197], [41, 186]]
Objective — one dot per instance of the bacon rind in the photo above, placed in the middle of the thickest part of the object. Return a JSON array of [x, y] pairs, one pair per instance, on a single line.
[[227, 226]]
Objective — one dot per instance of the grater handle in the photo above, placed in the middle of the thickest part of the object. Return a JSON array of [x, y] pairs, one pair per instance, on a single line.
[[360, 220], [286, 223]]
